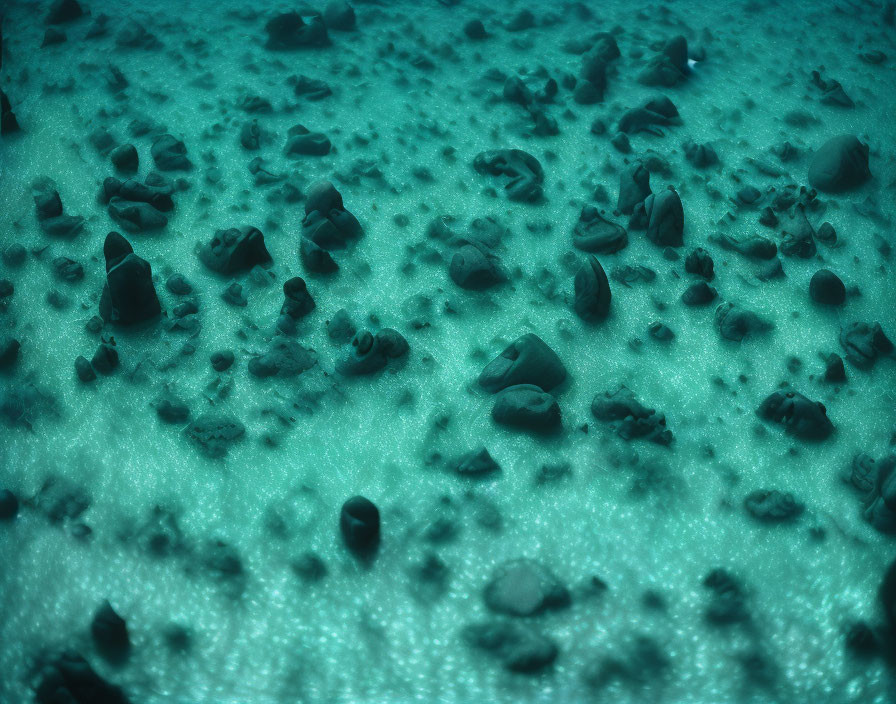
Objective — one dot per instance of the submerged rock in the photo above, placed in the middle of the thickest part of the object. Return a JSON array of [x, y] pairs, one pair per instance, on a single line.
[[630, 419], [524, 587], [214, 433], [235, 249], [799, 415], [523, 171], [527, 407], [359, 523], [129, 295], [840, 164], [527, 360], [517, 647]]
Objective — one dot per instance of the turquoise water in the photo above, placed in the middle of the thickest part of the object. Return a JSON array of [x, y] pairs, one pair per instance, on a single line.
[[205, 549]]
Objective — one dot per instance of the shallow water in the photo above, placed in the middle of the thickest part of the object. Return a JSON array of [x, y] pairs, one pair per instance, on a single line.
[[644, 518]]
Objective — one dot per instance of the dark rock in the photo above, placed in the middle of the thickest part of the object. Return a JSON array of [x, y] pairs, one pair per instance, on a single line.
[[303, 142], [9, 505], [327, 223], [524, 587], [880, 509], [834, 371], [311, 89], [523, 171], [289, 30], [110, 634], [136, 217], [235, 249], [9, 352], [665, 218], [66, 269], [284, 358], [371, 353], [14, 255], [170, 154], [359, 523], [62, 11], [517, 647], [592, 233], [214, 433], [233, 295], [700, 262], [728, 604], [660, 331], [527, 360], [9, 124], [699, 294], [155, 192], [339, 15], [634, 188], [172, 410], [840, 164], [476, 463], [474, 29], [700, 155], [69, 679], [125, 158], [630, 419], [827, 288], [222, 360], [772, 506], [129, 295], [309, 566], [592, 291], [526, 407], [753, 247], [476, 268], [735, 323], [865, 343], [178, 285], [53, 36], [105, 359], [800, 416], [340, 328], [316, 260], [84, 370]]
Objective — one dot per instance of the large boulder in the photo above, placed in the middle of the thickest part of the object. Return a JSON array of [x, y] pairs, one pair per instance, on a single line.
[[840, 164], [69, 679], [593, 233], [664, 217], [129, 295], [170, 154], [527, 360], [327, 223], [526, 407]]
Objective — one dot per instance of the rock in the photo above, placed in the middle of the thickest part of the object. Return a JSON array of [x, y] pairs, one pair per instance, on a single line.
[[517, 647], [309, 566], [316, 259], [523, 171], [526, 407], [84, 370], [700, 262], [129, 295], [14, 255], [371, 353], [9, 124], [178, 285], [753, 247], [698, 294], [9, 352], [9, 505], [311, 89], [476, 463], [772, 506], [592, 291], [66, 269], [158, 195], [660, 331], [110, 634], [827, 288], [289, 30], [474, 29], [105, 359], [524, 587], [474, 267], [339, 15], [700, 155], [359, 523], [327, 223], [284, 358], [69, 679], [840, 164], [134, 35], [630, 419], [234, 250], [887, 597], [801, 417], [53, 36], [136, 217], [172, 410], [527, 360], [880, 510], [665, 219], [303, 142], [865, 343], [62, 11], [834, 372], [728, 604], [297, 301], [170, 154], [735, 323], [125, 158], [214, 433], [222, 360], [634, 188], [592, 233], [340, 328]]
